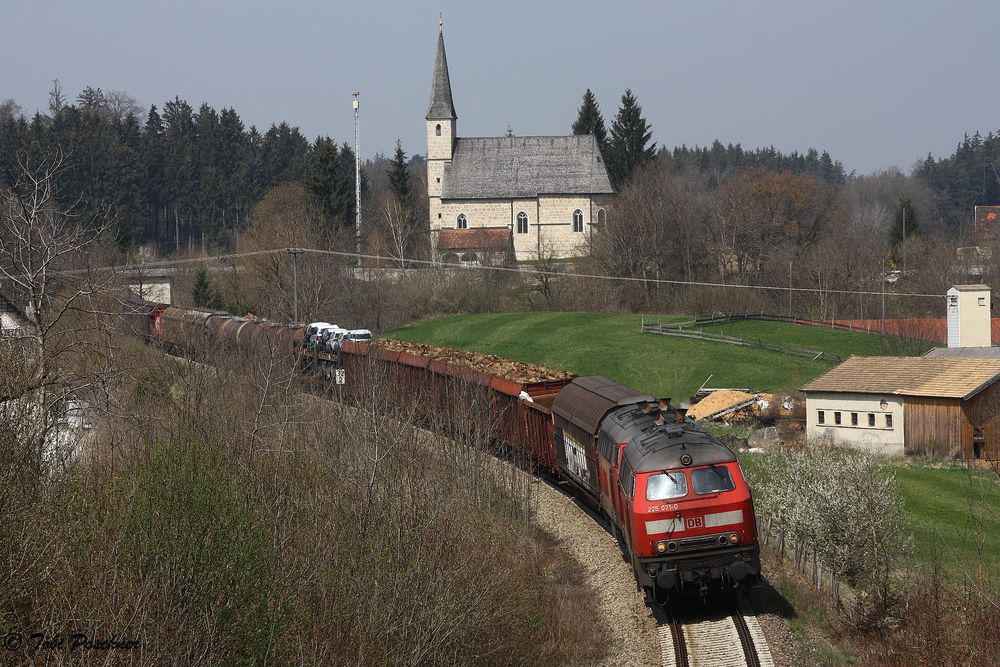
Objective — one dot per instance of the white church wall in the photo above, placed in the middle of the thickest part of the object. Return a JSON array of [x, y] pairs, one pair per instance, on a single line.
[[556, 215]]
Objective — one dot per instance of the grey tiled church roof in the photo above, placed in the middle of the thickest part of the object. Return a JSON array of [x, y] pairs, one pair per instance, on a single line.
[[441, 106], [506, 167]]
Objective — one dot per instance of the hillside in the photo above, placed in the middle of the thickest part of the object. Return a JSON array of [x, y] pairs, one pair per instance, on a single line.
[[612, 344]]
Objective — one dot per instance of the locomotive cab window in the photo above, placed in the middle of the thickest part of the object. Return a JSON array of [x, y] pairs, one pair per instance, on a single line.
[[666, 485], [713, 479], [627, 480]]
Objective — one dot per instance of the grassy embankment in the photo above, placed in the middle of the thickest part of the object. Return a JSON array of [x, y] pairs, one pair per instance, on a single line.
[[954, 513], [612, 344]]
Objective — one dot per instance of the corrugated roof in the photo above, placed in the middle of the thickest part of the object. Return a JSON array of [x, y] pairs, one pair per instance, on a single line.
[[587, 399], [506, 167], [441, 106], [941, 377], [482, 238]]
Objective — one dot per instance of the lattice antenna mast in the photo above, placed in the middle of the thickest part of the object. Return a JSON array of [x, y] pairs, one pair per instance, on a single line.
[[357, 175]]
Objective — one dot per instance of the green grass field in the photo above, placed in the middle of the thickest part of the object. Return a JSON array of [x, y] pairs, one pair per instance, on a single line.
[[954, 513], [612, 344]]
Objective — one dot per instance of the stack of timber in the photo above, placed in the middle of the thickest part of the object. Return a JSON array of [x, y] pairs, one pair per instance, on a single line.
[[520, 372]]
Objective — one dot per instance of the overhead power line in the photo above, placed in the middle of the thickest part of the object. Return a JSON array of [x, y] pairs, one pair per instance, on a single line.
[[507, 269]]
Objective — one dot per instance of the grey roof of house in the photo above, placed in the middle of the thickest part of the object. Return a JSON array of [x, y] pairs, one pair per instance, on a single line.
[[508, 167], [964, 353], [441, 107]]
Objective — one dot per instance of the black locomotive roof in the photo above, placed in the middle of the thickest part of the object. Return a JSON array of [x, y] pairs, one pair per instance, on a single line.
[[587, 399], [653, 447]]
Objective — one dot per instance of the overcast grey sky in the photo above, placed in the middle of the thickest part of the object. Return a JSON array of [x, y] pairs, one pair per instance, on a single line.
[[877, 83]]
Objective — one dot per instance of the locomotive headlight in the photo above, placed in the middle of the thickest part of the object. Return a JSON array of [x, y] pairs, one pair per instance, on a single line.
[[661, 547], [734, 538]]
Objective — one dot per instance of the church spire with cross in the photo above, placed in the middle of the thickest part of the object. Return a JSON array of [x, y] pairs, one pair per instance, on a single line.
[[441, 107]]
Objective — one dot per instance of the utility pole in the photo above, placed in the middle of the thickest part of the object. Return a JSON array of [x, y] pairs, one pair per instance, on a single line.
[[789, 289], [295, 252], [903, 243], [357, 175], [883, 292]]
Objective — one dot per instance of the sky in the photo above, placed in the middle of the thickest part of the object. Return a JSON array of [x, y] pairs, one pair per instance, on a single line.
[[877, 83]]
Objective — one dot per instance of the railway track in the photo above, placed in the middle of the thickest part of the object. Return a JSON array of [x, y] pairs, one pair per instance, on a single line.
[[728, 637]]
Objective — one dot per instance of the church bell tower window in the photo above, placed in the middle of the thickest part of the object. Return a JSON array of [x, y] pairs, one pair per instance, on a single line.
[[437, 130]]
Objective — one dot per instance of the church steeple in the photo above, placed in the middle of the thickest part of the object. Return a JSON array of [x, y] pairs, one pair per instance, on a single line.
[[441, 107]]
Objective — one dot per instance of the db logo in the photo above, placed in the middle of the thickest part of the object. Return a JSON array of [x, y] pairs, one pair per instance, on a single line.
[[694, 522]]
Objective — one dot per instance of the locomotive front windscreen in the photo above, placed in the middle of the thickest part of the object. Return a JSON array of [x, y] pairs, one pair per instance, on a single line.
[[713, 479], [666, 485]]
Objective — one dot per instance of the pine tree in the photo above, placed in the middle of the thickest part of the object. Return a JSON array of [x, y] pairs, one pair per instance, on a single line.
[[399, 175], [56, 98], [590, 121], [326, 180], [153, 182], [629, 147], [203, 293]]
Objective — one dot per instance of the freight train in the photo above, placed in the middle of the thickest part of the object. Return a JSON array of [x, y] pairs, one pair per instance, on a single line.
[[673, 495]]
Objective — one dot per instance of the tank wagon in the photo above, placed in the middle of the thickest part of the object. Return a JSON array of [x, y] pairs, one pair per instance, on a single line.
[[673, 495], [184, 329]]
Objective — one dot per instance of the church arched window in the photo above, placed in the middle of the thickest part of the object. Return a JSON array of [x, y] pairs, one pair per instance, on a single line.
[[577, 220], [601, 217], [437, 130], [462, 222], [522, 223]]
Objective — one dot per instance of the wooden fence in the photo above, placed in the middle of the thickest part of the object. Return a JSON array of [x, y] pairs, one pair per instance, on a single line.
[[684, 330], [803, 557]]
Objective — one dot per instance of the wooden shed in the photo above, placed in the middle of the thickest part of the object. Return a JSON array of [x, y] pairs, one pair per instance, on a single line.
[[924, 406]]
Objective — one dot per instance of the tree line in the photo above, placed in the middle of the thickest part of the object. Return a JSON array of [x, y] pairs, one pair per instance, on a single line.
[[174, 176], [628, 147]]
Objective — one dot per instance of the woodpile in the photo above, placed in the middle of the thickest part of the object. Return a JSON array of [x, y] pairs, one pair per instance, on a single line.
[[718, 401], [516, 371]]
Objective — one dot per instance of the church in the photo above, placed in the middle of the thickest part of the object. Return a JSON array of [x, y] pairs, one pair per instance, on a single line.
[[498, 199]]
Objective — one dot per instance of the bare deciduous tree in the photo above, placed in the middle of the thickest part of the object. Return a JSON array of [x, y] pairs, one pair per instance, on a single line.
[[45, 259]]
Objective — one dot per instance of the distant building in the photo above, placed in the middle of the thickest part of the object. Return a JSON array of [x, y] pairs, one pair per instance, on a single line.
[[946, 403], [909, 405], [969, 316], [987, 222], [546, 194], [14, 322]]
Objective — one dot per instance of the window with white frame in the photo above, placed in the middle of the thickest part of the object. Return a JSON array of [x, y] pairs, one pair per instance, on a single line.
[[577, 220], [462, 222], [522, 223]]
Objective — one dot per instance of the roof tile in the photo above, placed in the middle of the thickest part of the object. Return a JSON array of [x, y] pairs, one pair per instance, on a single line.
[[506, 167], [940, 377]]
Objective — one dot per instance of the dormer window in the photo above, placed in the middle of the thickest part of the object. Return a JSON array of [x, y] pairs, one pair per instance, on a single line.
[[437, 130], [462, 222]]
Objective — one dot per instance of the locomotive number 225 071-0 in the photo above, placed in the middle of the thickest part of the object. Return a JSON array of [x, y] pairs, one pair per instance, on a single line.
[[669, 507]]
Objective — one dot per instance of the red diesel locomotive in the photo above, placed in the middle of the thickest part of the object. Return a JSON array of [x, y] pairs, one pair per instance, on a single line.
[[674, 496]]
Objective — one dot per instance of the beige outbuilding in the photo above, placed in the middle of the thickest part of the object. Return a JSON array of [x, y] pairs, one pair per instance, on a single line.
[[912, 405]]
